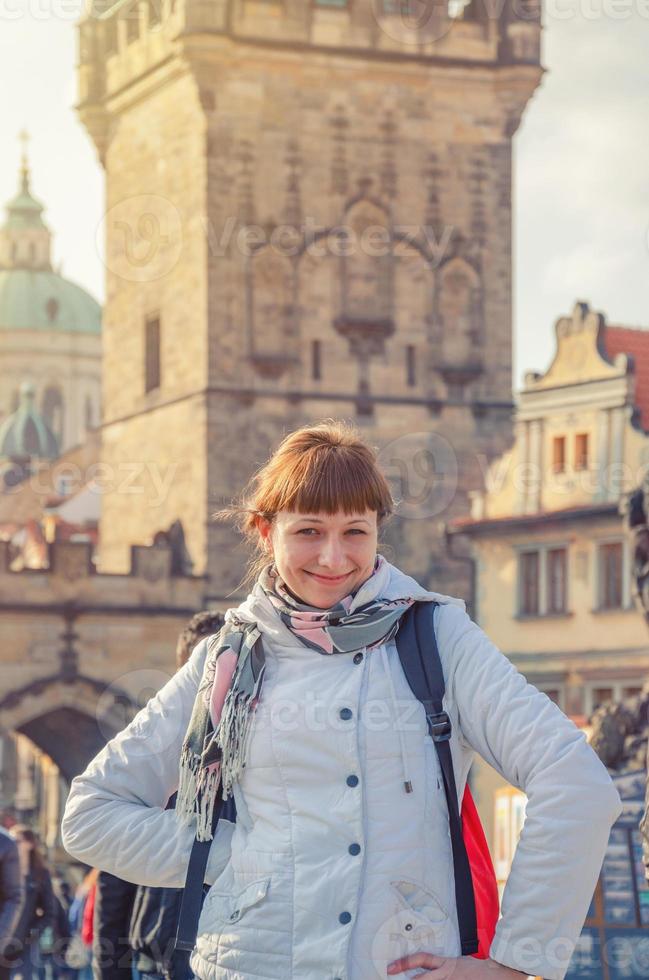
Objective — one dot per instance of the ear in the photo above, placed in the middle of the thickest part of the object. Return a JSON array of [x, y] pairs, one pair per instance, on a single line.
[[264, 527]]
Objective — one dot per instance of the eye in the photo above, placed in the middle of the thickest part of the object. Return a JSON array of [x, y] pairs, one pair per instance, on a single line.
[[356, 530], [305, 530]]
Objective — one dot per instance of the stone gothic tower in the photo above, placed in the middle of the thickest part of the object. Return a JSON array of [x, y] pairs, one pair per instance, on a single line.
[[308, 214]]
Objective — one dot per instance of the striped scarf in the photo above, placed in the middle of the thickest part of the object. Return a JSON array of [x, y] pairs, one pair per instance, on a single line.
[[215, 747]]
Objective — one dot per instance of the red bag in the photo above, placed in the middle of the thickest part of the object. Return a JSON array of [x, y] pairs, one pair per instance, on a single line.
[[88, 914], [485, 886]]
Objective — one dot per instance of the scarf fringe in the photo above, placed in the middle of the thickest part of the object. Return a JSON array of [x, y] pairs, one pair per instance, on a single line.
[[190, 765], [233, 733]]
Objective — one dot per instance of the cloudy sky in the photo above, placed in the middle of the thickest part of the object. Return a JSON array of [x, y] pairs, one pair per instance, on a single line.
[[581, 160]]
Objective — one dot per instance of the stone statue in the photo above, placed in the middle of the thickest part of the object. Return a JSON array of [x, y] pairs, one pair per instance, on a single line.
[[620, 731]]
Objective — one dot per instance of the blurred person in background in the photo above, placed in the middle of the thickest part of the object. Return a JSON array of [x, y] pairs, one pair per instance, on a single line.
[[11, 895], [78, 955], [35, 924]]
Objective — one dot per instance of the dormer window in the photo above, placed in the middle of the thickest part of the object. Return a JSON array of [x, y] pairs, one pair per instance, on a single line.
[[52, 308]]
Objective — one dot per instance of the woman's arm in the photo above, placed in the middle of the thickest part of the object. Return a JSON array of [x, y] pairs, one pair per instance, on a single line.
[[114, 817], [572, 802]]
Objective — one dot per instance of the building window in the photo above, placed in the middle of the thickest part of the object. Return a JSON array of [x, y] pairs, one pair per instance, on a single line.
[[597, 693], [89, 419], [52, 408], [554, 693], [529, 572], [154, 12], [559, 454], [411, 376], [152, 354], [316, 360], [610, 577], [553, 690], [543, 581], [132, 17], [110, 36], [556, 572], [601, 695], [581, 451], [631, 691]]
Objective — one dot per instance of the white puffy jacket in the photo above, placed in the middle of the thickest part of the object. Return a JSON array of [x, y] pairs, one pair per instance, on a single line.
[[332, 869]]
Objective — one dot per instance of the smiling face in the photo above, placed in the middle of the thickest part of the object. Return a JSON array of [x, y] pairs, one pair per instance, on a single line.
[[322, 557]]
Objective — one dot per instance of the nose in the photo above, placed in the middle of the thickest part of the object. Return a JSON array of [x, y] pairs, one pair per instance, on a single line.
[[331, 554]]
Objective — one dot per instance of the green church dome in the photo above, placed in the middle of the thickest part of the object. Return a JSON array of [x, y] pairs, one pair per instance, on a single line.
[[32, 295], [26, 433], [39, 299]]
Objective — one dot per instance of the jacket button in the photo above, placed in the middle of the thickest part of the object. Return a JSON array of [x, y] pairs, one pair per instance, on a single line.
[[346, 713], [354, 849], [358, 658], [344, 918], [352, 780]]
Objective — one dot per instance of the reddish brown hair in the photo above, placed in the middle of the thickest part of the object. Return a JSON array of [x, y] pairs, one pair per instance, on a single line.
[[326, 468]]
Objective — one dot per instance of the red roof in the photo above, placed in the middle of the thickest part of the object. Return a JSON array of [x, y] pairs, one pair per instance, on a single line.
[[630, 340]]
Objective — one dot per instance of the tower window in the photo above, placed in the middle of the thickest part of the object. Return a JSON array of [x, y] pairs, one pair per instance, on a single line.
[[316, 360], [410, 365], [152, 354]]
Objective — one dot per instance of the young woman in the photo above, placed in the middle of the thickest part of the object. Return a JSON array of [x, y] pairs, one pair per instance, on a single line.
[[339, 864]]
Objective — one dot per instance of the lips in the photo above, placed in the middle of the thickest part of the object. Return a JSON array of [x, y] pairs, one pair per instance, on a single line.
[[329, 581]]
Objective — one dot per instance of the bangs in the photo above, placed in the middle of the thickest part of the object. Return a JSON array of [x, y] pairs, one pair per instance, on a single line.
[[329, 479]]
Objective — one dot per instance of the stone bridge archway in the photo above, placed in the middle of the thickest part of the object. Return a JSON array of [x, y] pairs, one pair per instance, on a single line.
[[68, 720]]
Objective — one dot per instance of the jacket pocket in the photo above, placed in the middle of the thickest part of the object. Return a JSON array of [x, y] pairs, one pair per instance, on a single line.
[[230, 907], [418, 923], [218, 928]]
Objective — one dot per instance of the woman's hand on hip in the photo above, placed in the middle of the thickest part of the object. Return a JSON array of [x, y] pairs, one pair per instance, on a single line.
[[453, 968]]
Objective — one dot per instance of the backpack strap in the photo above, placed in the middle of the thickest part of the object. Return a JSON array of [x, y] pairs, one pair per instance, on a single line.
[[422, 666], [192, 898]]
